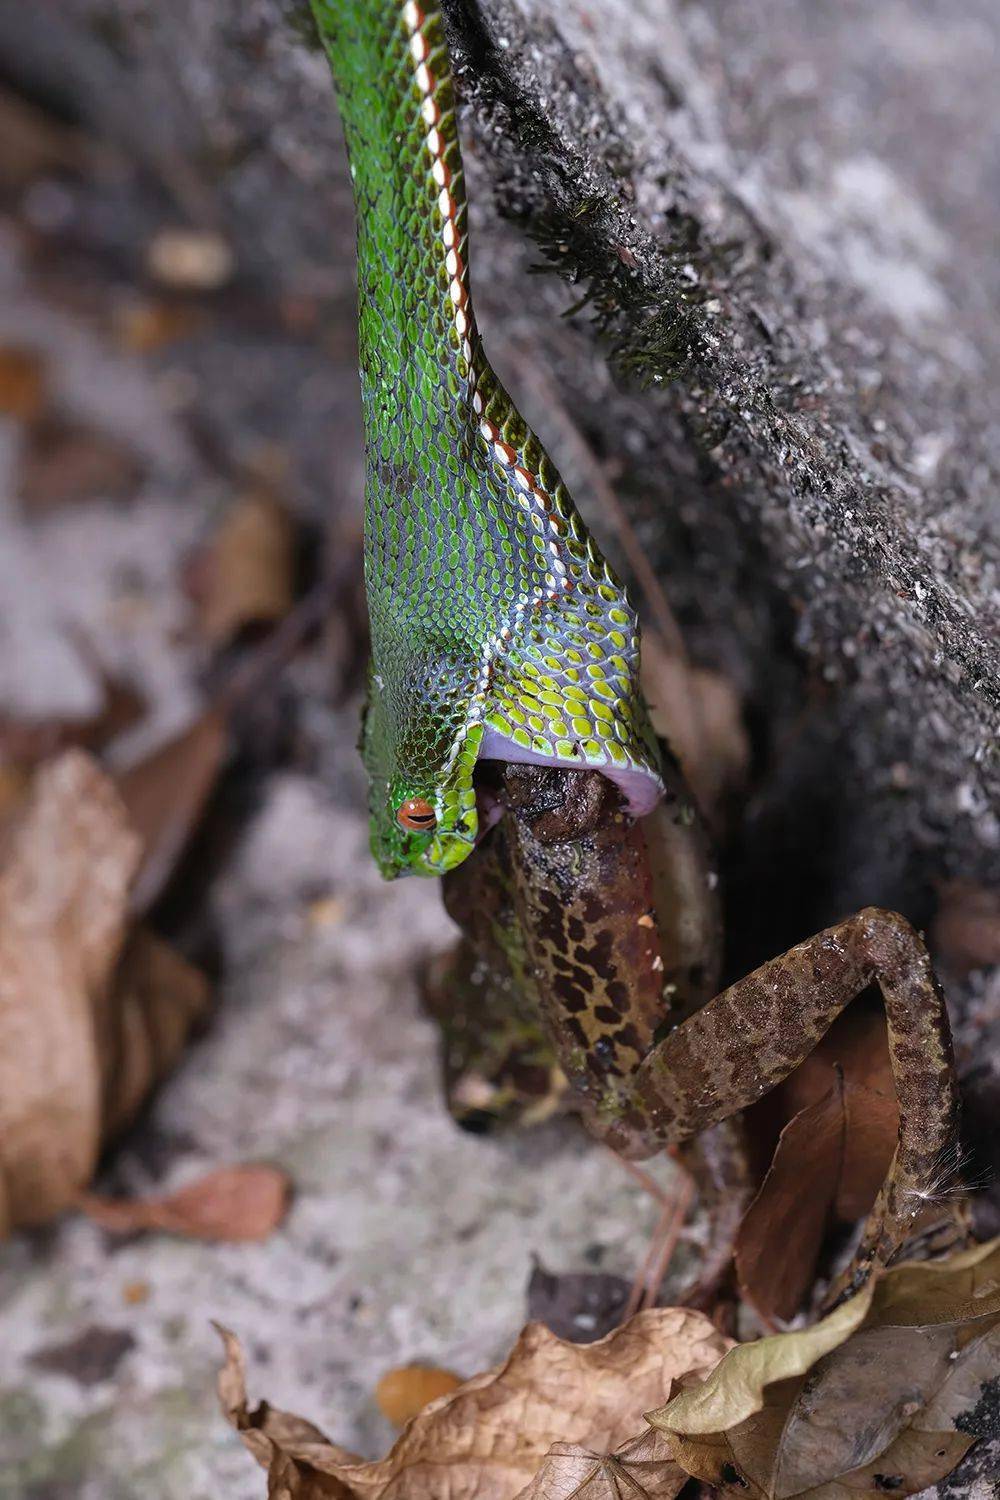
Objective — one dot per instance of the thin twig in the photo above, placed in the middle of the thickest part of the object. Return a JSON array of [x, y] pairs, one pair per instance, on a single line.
[[638, 1292], [662, 1244], [643, 1178], [656, 1271]]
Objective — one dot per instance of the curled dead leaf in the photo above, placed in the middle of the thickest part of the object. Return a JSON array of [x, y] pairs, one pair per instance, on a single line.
[[157, 999], [167, 791], [577, 1305], [87, 1021], [863, 1402], [165, 795], [830, 1159], [487, 1438], [231, 1204]]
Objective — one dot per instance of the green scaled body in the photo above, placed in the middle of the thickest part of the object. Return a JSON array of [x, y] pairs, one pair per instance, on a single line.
[[498, 629]]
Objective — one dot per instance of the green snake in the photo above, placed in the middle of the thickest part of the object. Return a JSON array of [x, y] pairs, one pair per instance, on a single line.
[[498, 629]]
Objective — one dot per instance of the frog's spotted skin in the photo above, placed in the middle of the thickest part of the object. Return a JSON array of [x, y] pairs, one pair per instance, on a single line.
[[498, 629]]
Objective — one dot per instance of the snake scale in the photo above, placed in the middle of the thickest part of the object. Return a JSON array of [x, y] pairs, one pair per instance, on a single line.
[[498, 629]]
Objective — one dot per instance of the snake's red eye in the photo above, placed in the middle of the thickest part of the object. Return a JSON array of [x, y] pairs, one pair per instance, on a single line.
[[416, 814]]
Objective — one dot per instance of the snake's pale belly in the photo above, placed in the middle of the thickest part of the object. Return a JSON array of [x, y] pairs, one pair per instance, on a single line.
[[506, 739]]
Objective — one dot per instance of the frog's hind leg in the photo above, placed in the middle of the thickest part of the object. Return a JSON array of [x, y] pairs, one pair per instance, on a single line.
[[750, 1037], [500, 1066]]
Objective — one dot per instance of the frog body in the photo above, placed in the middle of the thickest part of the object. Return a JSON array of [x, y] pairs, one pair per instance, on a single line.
[[596, 939], [628, 943]]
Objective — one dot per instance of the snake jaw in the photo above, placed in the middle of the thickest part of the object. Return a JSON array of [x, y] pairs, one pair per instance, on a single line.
[[450, 795], [431, 854]]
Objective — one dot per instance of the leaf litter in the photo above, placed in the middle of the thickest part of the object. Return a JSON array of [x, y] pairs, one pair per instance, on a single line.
[[92, 1012], [241, 1203], [96, 1008], [864, 1402], [244, 573], [871, 1400], [488, 1438]]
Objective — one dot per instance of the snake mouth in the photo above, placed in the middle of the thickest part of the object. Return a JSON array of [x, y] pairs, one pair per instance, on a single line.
[[641, 787]]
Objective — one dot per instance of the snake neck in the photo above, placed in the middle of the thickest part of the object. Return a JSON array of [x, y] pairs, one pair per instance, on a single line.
[[397, 101], [427, 386]]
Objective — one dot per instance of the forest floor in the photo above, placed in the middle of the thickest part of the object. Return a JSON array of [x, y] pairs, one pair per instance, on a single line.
[[406, 1239]]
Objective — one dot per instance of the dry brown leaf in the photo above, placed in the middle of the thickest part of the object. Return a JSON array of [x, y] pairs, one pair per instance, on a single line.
[[66, 462], [912, 1461], [165, 794], [231, 1204], [488, 1438], [863, 1402], [244, 575], [69, 860], [403, 1392], [577, 1305], [829, 1162], [300, 1460], [22, 382], [779, 1238], [966, 929], [857, 1402], [157, 998], [641, 1469], [71, 1008]]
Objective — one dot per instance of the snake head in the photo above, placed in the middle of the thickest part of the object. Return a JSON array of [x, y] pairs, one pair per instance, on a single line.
[[422, 823], [421, 830]]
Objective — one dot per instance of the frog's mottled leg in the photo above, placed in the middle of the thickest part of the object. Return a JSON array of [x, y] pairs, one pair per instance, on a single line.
[[580, 893], [751, 1036], [499, 1064]]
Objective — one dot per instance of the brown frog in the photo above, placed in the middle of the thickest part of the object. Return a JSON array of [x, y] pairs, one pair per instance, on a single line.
[[587, 972]]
